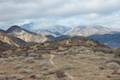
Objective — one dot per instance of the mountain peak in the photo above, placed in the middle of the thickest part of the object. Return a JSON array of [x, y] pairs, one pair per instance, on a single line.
[[26, 35], [17, 28], [14, 28]]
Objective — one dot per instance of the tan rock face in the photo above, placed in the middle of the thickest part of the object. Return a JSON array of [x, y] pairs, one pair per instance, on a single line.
[[29, 37], [10, 40]]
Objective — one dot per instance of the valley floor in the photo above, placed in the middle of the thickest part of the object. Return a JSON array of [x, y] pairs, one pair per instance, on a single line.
[[76, 63]]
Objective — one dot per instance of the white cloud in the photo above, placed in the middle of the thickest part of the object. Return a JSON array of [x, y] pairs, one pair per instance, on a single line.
[[70, 12]]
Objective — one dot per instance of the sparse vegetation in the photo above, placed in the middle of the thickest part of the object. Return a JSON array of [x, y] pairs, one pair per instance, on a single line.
[[72, 58], [103, 49], [117, 52]]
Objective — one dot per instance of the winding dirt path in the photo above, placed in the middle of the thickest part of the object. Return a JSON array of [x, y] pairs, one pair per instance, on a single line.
[[53, 63], [51, 60]]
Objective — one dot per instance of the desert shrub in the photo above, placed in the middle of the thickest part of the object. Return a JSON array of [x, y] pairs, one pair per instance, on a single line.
[[27, 71], [113, 65], [117, 52], [21, 53], [29, 60], [102, 49], [60, 74]]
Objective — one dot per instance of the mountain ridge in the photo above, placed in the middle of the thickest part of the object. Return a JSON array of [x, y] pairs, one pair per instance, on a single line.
[[63, 32], [55, 31], [112, 40], [88, 30], [13, 41], [26, 35]]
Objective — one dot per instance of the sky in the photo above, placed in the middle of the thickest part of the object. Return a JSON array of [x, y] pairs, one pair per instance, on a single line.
[[45, 13]]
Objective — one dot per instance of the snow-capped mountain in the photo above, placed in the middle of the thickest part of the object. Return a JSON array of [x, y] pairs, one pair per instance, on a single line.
[[59, 30], [27, 26], [88, 30], [99, 33], [55, 31]]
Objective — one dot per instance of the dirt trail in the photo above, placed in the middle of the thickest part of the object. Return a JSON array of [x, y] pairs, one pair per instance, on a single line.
[[51, 60], [53, 63]]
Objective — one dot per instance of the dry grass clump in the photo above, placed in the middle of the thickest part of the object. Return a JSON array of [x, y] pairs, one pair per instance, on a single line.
[[102, 49], [117, 52]]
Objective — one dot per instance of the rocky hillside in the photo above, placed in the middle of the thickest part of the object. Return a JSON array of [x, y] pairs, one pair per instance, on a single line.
[[4, 46], [63, 58], [26, 35], [13, 41], [67, 59]]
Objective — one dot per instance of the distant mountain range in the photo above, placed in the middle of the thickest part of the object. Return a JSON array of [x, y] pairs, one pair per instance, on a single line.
[[112, 40], [55, 31], [26, 35], [58, 30], [88, 30], [104, 35], [17, 36]]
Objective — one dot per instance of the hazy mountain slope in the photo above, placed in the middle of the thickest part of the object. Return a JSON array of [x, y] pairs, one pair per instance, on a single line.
[[59, 30], [26, 35], [88, 30], [56, 31], [28, 26], [99, 33], [112, 40], [13, 41], [104, 35]]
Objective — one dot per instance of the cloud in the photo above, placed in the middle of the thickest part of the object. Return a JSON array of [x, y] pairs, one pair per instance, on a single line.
[[78, 11]]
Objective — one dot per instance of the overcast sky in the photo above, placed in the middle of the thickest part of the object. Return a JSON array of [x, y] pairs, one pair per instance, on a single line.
[[60, 12]]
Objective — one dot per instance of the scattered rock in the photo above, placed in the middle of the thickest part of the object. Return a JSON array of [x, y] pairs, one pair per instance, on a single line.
[[29, 60], [19, 66], [34, 55], [27, 71], [113, 65]]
